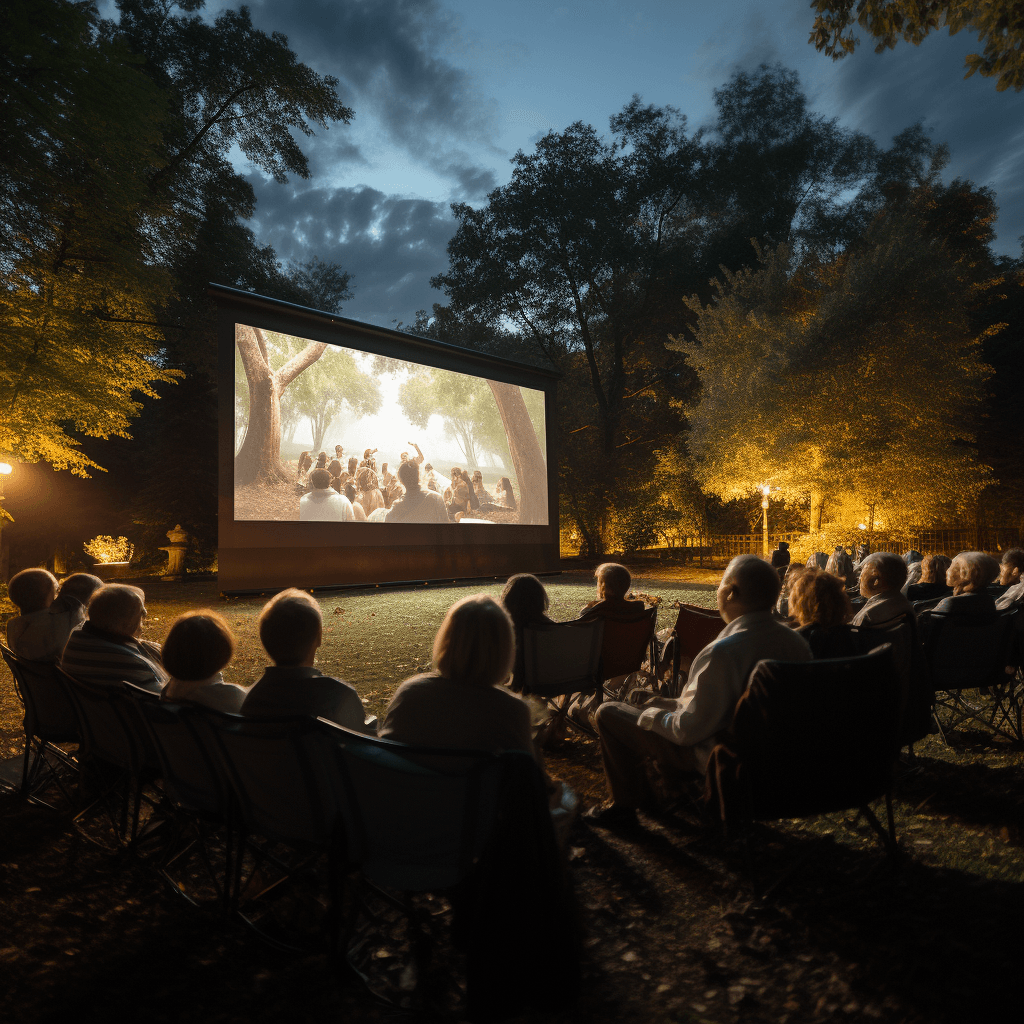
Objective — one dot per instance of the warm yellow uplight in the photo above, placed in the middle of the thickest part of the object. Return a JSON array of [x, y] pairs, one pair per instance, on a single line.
[[6, 468], [861, 526]]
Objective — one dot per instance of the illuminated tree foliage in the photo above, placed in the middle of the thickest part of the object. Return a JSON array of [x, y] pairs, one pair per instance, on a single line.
[[999, 24], [857, 382]]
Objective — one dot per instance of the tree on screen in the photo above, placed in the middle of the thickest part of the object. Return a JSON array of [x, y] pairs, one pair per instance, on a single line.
[[259, 458], [328, 385]]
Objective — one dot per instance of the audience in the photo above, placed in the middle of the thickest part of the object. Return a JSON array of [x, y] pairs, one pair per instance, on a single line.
[[881, 577], [840, 565], [932, 583], [323, 504], [418, 504], [1011, 576], [821, 608], [357, 510], [198, 647], [969, 575], [291, 631], [108, 647], [914, 560], [613, 583], [526, 601], [462, 704], [41, 634], [369, 490], [781, 556], [679, 734]]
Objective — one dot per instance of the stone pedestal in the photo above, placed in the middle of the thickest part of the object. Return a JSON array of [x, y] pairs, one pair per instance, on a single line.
[[175, 553]]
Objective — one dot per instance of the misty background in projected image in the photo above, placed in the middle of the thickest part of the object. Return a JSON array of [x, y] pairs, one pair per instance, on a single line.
[[362, 401]]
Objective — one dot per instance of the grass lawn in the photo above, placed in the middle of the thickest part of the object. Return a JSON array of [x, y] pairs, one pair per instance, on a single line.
[[671, 934]]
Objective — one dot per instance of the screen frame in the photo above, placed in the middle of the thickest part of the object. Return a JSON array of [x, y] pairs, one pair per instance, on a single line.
[[261, 554]]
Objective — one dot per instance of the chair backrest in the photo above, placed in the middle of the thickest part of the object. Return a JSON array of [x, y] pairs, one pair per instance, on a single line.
[[416, 818], [49, 712], [562, 658], [275, 777], [108, 730], [966, 651], [695, 628], [818, 736], [183, 745], [625, 643]]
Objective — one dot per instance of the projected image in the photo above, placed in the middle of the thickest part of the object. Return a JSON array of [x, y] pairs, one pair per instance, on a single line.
[[325, 433]]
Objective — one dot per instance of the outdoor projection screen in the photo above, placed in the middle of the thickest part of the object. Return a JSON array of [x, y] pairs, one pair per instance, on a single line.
[[294, 381]]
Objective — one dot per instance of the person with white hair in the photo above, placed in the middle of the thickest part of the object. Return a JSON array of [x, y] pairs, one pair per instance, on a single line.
[[109, 648], [970, 574], [679, 734], [882, 576]]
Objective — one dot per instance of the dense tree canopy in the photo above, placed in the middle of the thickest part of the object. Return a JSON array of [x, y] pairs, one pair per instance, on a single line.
[[999, 24]]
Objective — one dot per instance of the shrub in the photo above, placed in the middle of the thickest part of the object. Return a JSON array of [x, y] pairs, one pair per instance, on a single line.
[[109, 549]]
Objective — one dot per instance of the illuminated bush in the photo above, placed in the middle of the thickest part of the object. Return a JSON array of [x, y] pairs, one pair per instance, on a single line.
[[109, 549]]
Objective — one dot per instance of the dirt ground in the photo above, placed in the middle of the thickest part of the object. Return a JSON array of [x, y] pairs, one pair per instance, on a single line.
[[671, 933]]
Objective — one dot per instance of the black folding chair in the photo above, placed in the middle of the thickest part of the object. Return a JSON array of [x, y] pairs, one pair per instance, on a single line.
[[197, 794], [973, 653], [421, 820], [114, 754], [810, 738], [50, 719], [287, 819], [561, 660]]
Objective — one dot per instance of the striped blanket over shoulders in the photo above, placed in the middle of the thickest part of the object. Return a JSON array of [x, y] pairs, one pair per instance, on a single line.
[[96, 656]]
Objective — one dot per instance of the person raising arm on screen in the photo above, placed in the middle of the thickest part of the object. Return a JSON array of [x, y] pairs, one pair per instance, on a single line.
[[418, 504]]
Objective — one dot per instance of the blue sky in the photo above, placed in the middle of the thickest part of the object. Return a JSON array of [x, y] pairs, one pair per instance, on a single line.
[[445, 93]]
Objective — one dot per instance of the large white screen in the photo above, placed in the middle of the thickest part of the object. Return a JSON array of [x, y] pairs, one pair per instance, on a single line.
[[345, 404]]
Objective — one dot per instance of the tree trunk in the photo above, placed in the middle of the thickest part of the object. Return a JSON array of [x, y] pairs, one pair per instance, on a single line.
[[259, 458], [525, 450], [817, 504]]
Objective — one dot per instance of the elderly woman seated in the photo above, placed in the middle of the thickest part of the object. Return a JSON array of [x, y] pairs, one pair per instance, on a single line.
[[109, 648], [821, 608], [1011, 576], [969, 575], [932, 584]]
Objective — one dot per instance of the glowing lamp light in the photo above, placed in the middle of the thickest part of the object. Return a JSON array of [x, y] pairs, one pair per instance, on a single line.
[[766, 490], [861, 526], [6, 468]]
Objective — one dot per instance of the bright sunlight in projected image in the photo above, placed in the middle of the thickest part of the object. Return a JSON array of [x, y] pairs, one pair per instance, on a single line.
[[321, 432]]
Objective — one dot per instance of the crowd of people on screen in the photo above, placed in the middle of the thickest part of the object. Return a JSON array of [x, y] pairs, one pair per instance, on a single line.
[[333, 491], [469, 699]]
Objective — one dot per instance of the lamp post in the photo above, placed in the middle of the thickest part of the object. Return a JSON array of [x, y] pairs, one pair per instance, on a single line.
[[765, 491]]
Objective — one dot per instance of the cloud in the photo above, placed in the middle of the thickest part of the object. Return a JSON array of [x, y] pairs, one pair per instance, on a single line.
[[389, 58], [391, 245]]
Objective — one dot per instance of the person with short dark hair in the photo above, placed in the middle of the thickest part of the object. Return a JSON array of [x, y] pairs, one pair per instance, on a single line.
[[321, 461], [881, 577], [291, 631], [417, 504], [679, 734], [461, 704], [526, 601], [357, 509], [819, 604], [29, 633], [1011, 576], [781, 555], [323, 504], [109, 646], [197, 648]]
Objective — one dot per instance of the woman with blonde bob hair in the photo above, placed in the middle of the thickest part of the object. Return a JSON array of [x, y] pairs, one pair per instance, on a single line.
[[461, 704]]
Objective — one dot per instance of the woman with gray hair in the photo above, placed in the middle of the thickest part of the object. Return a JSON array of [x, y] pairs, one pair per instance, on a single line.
[[969, 575]]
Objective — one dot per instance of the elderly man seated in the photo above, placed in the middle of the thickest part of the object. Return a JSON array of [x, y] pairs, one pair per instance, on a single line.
[[881, 577], [679, 734], [969, 575], [108, 647]]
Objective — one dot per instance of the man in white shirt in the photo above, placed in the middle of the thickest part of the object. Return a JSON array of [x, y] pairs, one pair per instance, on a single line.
[[324, 503], [881, 577], [680, 734]]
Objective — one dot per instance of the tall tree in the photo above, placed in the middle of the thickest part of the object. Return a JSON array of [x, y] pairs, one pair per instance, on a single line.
[[861, 378], [999, 24]]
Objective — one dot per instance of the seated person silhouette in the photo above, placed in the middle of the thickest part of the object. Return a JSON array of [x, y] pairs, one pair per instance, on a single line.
[[526, 601], [324, 504], [969, 574], [678, 734], [1011, 576], [932, 583], [108, 647], [291, 631], [40, 634], [881, 577], [196, 650], [417, 504], [821, 608]]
